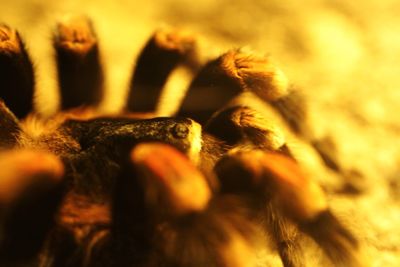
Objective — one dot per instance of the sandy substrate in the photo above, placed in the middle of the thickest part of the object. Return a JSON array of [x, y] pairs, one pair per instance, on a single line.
[[344, 56]]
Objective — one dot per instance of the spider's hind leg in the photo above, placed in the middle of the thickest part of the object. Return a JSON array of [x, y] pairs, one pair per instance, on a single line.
[[31, 189], [79, 67], [156, 185], [16, 73]]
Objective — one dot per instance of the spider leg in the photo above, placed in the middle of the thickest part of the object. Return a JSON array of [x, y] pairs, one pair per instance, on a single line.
[[293, 108], [166, 165], [156, 184], [236, 179], [17, 80], [227, 76], [80, 73], [166, 50], [243, 125], [9, 127], [277, 179], [31, 189], [286, 238], [175, 216]]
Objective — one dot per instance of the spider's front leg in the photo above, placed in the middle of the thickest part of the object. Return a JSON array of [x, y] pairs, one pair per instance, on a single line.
[[32, 185], [278, 180], [31, 189], [158, 184], [165, 214]]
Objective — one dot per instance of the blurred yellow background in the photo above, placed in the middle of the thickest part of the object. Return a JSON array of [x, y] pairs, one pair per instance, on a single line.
[[345, 56]]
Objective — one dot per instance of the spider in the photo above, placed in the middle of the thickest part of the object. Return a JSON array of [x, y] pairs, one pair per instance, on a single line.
[[214, 184]]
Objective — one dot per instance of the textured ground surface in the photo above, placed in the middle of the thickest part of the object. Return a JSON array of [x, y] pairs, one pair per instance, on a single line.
[[344, 54]]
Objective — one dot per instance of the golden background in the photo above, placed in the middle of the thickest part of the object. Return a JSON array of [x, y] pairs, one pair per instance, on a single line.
[[344, 55]]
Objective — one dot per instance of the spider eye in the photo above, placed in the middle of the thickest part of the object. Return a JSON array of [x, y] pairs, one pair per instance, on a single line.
[[180, 131]]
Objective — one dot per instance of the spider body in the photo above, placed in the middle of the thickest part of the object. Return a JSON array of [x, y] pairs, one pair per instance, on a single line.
[[210, 186]]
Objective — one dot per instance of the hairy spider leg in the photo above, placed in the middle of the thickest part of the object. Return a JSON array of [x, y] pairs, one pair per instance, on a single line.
[[165, 51], [9, 127], [277, 179], [178, 220], [31, 189], [17, 81], [80, 73], [243, 126], [226, 77]]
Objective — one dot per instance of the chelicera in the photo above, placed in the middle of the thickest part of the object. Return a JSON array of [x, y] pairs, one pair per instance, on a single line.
[[212, 184]]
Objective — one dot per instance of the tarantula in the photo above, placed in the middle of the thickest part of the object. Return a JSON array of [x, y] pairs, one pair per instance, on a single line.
[[212, 185]]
